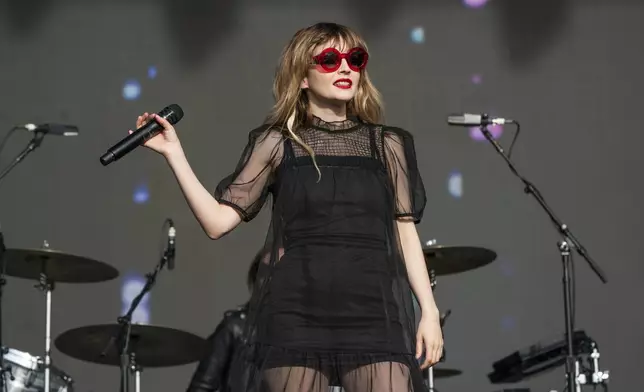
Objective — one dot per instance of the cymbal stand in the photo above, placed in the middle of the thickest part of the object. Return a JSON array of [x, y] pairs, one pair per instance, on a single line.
[[565, 245], [430, 379], [432, 282], [126, 353], [136, 369], [47, 286], [430, 370], [34, 143], [3, 368]]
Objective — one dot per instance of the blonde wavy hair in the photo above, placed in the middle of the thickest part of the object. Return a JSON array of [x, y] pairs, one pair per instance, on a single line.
[[291, 109]]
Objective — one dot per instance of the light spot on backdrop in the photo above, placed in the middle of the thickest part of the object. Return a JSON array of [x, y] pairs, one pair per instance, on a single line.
[[141, 194], [455, 185], [131, 90], [508, 323], [476, 79], [506, 268], [495, 130], [417, 35], [474, 3], [132, 285], [152, 72]]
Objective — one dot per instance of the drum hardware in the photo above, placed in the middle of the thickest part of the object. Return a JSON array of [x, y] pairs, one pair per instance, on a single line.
[[35, 142], [432, 273], [125, 332], [565, 245], [539, 358], [438, 372], [25, 374], [48, 266], [149, 347], [591, 374], [448, 260], [136, 369], [3, 368], [433, 372], [47, 286], [8, 266], [123, 335], [443, 260]]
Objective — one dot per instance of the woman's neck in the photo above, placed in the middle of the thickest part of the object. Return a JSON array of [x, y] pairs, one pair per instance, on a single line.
[[328, 111]]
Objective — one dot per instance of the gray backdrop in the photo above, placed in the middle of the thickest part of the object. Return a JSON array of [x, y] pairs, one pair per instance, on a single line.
[[569, 71]]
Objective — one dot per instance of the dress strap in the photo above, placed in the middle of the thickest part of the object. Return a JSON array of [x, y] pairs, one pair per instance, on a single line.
[[372, 143], [289, 152]]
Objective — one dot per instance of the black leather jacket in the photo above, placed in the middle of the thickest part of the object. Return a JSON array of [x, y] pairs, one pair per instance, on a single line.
[[212, 372]]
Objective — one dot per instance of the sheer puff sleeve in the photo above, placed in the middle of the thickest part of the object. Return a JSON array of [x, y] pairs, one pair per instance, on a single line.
[[248, 187], [408, 187]]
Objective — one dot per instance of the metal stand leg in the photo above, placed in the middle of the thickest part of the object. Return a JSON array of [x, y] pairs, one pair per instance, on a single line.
[[593, 375], [136, 369], [430, 379], [432, 282], [598, 376], [137, 385], [48, 287]]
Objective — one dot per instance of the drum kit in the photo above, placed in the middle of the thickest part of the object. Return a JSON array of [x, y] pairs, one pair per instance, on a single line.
[[122, 344], [134, 347]]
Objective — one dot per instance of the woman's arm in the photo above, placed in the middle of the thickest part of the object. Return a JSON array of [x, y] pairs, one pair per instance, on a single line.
[[216, 219], [429, 337], [416, 268]]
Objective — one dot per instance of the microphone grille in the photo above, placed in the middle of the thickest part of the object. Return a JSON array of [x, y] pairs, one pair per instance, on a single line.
[[455, 118], [173, 113]]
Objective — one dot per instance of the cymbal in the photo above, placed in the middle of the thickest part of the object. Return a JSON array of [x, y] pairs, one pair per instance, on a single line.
[[153, 346], [446, 260], [58, 266], [442, 372]]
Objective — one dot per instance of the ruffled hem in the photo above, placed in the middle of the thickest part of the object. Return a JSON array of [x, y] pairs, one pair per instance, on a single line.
[[261, 367]]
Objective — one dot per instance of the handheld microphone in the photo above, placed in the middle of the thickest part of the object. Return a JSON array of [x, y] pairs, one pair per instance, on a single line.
[[51, 129], [172, 234], [475, 120], [172, 113]]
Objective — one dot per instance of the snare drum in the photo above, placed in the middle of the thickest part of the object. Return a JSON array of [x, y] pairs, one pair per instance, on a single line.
[[26, 373]]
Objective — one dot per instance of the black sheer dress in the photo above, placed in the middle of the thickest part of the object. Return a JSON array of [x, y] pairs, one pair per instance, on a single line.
[[333, 306]]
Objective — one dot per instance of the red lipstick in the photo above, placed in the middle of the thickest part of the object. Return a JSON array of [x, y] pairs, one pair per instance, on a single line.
[[344, 84]]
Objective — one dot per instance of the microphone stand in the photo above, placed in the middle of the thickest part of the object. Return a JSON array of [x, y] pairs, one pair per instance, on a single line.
[[34, 143], [567, 242], [125, 321]]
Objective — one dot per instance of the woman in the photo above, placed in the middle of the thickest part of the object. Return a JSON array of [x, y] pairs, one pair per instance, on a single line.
[[336, 307]]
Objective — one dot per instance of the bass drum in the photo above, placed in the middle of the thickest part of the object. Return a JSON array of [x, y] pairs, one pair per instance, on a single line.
[[26, 373]]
